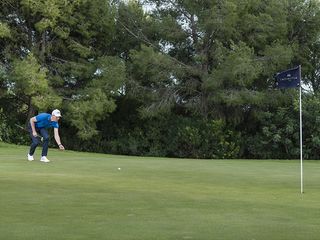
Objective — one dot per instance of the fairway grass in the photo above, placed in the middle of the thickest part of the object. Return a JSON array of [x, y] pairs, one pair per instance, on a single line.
[[83, 196]]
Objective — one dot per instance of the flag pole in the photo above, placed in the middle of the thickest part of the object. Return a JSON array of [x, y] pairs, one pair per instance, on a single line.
[[300, 108]]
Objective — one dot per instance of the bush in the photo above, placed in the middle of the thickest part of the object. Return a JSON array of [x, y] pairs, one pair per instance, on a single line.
[[5, 131], [177, 137], [277, 136], [202, 139]]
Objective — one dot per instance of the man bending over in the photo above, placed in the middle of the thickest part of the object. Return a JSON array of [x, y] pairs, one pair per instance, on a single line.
[[38, 125]]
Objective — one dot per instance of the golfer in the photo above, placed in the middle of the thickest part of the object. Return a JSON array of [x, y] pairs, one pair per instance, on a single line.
[[39, 125]]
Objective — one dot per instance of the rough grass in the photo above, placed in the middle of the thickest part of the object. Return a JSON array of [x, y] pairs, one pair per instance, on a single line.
[[84, 196]]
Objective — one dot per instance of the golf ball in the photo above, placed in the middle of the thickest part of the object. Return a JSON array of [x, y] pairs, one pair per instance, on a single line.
[[119, 168]]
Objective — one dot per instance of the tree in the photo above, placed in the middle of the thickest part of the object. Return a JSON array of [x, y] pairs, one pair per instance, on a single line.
[[60, 55], [213, 64]]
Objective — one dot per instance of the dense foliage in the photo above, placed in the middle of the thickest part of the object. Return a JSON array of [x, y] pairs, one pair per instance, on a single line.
[[163, 78]]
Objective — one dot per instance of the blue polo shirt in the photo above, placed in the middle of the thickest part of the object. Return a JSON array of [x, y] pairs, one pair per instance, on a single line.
[[44, 121]]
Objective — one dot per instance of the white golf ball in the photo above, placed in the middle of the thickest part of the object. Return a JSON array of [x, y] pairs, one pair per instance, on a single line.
[[119, 168]]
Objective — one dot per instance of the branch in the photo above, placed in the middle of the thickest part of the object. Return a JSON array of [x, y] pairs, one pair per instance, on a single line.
[[149, 43]]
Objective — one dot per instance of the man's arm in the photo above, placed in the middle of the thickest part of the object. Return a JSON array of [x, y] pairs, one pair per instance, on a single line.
[[33, 120], [57, 138]]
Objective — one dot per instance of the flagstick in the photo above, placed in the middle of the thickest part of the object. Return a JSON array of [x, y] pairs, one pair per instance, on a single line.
[[300, 107]]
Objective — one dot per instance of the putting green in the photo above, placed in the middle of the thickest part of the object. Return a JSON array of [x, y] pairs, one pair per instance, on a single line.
[[85, 196]]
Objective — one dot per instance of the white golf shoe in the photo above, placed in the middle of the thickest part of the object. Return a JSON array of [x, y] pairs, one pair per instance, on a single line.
[[44, 159], [30, 157]]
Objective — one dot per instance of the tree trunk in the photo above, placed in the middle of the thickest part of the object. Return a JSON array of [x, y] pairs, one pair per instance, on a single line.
[[31, 112], [43, 47]]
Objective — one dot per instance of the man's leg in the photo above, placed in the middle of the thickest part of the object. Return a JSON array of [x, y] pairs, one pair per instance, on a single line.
[[45, 135], [35, 142]]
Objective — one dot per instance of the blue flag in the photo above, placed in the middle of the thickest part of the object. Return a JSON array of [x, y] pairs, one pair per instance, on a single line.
[[289, 78]]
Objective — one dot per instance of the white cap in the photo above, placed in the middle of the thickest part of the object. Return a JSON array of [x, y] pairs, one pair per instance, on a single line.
[[56, 113]]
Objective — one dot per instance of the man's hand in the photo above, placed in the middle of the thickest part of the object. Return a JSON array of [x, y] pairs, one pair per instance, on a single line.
[[34, 133], [61, 147]]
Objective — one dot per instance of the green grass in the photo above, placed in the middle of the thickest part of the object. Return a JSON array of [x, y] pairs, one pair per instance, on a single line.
[[84, 196]]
